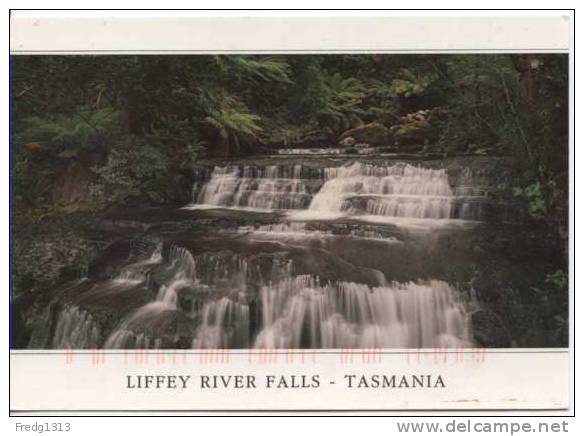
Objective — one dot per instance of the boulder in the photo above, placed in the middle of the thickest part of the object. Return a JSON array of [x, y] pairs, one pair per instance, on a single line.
[[373, 133], [33, 147], [417, 132], [349, 141]]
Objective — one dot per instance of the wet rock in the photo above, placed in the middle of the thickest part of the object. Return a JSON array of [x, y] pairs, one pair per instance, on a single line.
[[300, 139], [416, 132], [233, 264], [373, 133], [349, 141], [191, 298], [480, 150]]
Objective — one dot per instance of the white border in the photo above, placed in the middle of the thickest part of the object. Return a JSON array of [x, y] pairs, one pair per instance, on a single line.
[[185, 32]]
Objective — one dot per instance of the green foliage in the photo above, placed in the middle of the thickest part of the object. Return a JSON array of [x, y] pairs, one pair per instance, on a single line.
[[134, 171], [234, 123], [482, 92], [81, 129], [340, 101], [533, 195], [268, 69], [79, 109], [411, 84], [380, 102], [559, 280], [31, 183]]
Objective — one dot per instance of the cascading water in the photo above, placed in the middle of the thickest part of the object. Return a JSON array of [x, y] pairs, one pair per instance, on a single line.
[[301, 313], [401, 191], [75, 329], [224, 324], [138, 329], [271, 187], [298, 312], [209, 287], [290, 281], [395, 191]]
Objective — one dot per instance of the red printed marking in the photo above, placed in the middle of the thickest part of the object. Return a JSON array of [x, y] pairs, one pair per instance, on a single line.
[[371, 355], [69, 354], [445, 356], [268, 356], [346, 356], [210, 357], [97, 357], [141, 357], [479, 355], [175, 358]]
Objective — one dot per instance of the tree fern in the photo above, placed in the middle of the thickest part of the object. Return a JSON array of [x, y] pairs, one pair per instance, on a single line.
[[266, 68], [76, 130], [342, 97], [234, 123]]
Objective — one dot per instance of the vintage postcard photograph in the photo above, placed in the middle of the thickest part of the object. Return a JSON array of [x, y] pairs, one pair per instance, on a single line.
[[300, 201], [332, 225]]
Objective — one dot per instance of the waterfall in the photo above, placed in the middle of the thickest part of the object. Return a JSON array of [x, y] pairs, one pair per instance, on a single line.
[[299, 278], [225, 324], [291, 231], [183, 261], [399, 191], [217, 320], [296, 311], [133, 331], [284, 311], [301, 313], [271, 187], [75, 328], [136, 272]]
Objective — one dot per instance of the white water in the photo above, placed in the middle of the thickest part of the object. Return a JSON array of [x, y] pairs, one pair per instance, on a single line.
[[225, 324], [403, 194], [266, 188], [302, 313], [218, 322], [296, 312], [130, 332], [291, 231], [135, 273], [395, 191], [75, 329], [228, 301]]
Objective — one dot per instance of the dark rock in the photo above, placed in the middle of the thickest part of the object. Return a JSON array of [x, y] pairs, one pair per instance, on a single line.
[[414, 133], [303, 139], [114, 254], [373, 133], [349, 141]]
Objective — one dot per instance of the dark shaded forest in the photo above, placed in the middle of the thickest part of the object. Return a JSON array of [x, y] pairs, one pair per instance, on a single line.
[[89, 131]]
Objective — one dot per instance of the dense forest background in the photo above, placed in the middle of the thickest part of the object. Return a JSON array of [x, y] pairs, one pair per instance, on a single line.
[[92, 131]]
